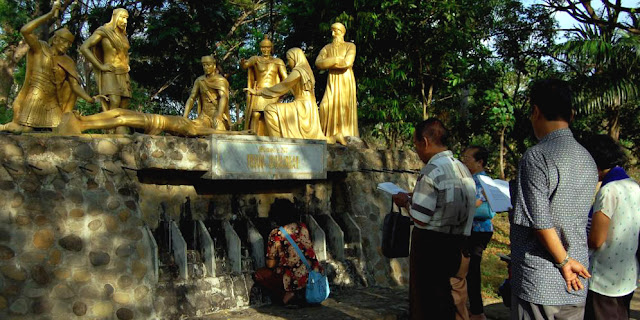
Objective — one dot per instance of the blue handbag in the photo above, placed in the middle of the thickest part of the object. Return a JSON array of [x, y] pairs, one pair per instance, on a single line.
[[317, 283]]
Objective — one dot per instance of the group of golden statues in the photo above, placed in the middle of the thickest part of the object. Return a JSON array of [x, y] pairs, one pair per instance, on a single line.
[[52, 85]]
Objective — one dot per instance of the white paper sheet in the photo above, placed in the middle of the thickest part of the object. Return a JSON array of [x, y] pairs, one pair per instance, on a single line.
[[497, 193], [390, 188]]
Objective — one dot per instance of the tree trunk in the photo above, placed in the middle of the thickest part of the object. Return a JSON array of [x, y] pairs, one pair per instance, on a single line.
[[8, 65], [614, 124], [426, 106], [502, 152]]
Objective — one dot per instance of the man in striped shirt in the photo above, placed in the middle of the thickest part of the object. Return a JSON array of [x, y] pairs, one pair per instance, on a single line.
[[442, 206]]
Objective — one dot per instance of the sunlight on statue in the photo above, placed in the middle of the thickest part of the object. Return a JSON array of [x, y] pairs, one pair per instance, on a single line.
[[297, 119], [339, 107], [211, 91], [263, 71], [51, 84], [108, 51]]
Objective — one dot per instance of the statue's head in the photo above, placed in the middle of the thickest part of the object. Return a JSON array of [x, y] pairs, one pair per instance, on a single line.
[[119, 19], [62, 39], [208, 64], [266, 46], [338, 30]]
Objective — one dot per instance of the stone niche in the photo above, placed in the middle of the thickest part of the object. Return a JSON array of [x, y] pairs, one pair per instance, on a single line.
[[134, 227]]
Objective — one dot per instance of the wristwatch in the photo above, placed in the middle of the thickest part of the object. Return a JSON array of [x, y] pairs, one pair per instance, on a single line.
[[561, 264]]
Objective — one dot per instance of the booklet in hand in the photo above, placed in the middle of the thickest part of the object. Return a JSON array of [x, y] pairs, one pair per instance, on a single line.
[[390, 188]]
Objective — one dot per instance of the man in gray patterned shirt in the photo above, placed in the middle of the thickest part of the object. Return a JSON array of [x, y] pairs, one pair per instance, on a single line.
[[555, 186], [442, 206]]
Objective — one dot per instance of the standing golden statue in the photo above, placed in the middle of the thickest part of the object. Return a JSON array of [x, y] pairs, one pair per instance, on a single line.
[[263, 71], [297, 119], [339, 107], [108, 51], [51, 84], [212, 93]]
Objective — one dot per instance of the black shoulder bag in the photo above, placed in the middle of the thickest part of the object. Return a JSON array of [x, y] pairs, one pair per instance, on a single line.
[[395, 234]]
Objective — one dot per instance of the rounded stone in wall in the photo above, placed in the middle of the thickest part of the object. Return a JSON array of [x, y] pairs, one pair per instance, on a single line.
[[157, 154], [111, 224], [108, 290], [89, 292], [76, 213], [5, 235], [75, 196], [17, 200], [6, 253], [31, 257], [124, 215], [62, 273], [140, 292], [124, 282], [121, 298], [102, 309], [99, 258], [41, 306], [41, 220], [79, 308], [124, 314], [113, 204], [138, 269], [81, 275], [40, 275], [43, 239], [34, 292], [30, 186], [20, 306], [95, 224], [125, 250], [92, 184], [106, 148], [7, 185], [55, 257], [13, 272], [62, 292], [83, 151], [131, 204], [3, 303], [175, 156], [22, 220], [124, 192], [71, 243]]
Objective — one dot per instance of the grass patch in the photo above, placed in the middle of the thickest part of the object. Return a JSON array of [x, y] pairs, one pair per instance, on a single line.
[[494, 270]]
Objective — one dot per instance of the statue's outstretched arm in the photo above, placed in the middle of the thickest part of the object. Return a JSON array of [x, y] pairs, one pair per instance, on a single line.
[[27, 29], [282, 87]]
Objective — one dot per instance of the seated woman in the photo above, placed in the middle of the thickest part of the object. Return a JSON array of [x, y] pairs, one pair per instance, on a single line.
[[615, 227], [285, 274], [300, 118]]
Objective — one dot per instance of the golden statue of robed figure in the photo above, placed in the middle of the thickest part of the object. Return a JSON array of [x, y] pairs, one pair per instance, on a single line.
[[263, 72], [339, 106]]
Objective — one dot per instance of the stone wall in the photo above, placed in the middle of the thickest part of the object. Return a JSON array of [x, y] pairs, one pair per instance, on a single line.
[[78, 216]]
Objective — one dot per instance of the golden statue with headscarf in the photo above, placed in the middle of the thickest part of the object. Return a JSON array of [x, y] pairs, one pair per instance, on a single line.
[[108, 51], [263, 71], [52, 83], [297, 119]]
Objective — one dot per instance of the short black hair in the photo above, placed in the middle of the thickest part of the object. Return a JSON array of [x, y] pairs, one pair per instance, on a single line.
[[553, 98], [481, 153], [434, 130], [605, 151], [283, 212]]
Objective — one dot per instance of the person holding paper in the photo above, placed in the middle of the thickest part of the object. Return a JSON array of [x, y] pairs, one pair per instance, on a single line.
[[556, 182], [475, 158], [442, 206], [614, 234]]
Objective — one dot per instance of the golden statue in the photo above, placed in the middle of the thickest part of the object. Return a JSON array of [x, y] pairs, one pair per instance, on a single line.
[[339, 107], [212, 93], [297, 119], [51, 84], [108, 51], [73, 123], [263, 71]]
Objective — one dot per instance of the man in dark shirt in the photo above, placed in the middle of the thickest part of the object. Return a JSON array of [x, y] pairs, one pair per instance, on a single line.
[[555, 186]]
